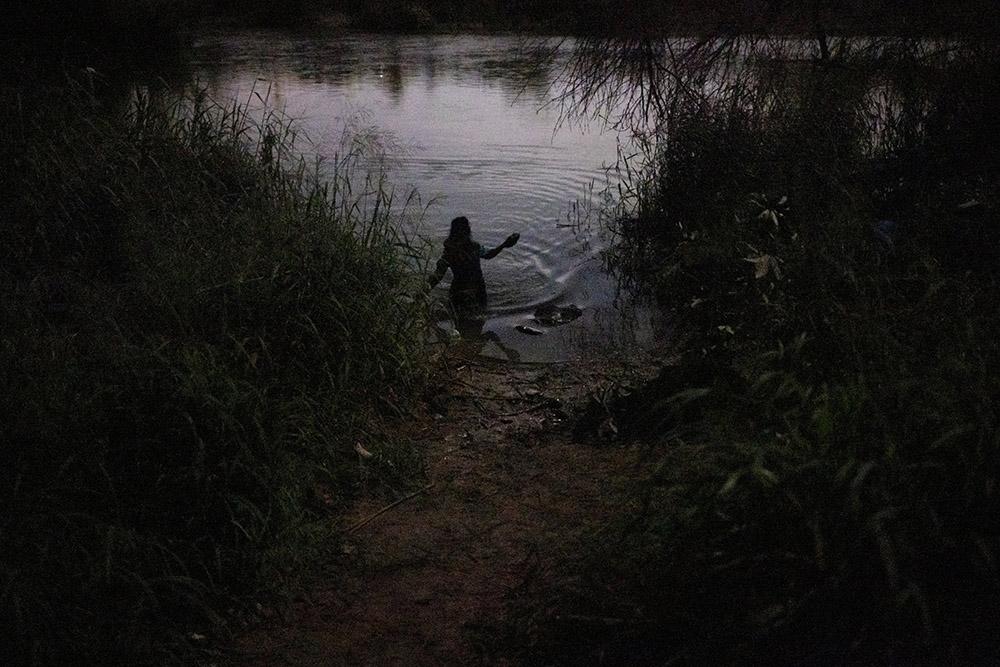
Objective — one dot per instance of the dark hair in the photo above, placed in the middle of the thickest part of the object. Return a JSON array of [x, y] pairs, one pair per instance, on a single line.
[[460, 230]]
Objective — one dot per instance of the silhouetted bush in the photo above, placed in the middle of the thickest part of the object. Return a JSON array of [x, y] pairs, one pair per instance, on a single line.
[[824, 455], [197, 333]]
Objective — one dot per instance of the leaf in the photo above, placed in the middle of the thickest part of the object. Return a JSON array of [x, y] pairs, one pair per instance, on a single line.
[[859, 479], [823, 422], [765, 476], [730, 483], [763, 265]]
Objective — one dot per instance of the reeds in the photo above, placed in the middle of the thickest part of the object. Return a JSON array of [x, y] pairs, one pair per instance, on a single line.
[[197, 331], [823, 458]]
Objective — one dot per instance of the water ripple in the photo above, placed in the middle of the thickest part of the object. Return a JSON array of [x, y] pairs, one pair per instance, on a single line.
[[473, 137]]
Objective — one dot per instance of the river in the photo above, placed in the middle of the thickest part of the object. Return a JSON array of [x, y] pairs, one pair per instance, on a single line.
[[468, 129]]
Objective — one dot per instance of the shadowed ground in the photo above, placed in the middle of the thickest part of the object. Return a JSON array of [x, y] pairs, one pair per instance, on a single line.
[[509, 492]]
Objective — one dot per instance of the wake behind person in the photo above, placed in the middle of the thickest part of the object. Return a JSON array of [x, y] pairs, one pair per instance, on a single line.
[[462, 255]]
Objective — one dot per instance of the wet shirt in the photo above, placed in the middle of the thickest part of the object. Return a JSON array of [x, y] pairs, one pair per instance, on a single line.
[[467, 285]]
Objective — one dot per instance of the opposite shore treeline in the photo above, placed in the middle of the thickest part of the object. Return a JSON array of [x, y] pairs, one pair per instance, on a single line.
[[150, 24]]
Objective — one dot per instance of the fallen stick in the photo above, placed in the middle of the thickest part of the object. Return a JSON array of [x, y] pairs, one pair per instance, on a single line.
[[531, 408], [487, 397], [388, 507]]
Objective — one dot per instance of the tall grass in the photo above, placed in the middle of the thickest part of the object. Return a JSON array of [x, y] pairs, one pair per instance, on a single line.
[[823, 459], [197, 331]]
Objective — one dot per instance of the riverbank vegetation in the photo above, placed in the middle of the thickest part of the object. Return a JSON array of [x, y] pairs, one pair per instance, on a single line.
[[150, 26], [823, 458], [197, 360], [200, 342], [588, 17]]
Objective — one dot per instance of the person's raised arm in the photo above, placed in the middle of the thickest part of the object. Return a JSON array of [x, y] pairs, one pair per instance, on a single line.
[[510, 241]]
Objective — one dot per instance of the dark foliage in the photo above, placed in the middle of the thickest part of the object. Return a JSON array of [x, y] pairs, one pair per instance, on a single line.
[[823, 458]]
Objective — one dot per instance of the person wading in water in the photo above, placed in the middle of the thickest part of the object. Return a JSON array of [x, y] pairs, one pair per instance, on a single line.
[[462, 255]]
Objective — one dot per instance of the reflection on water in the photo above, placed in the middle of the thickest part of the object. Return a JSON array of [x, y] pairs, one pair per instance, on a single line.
[[390, 63], [472, 134]]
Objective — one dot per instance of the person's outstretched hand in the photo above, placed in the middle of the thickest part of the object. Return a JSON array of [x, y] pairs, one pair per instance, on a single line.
[[511, 240]]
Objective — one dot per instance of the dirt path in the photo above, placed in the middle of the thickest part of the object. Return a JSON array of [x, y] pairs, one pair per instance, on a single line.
[[510, 492]]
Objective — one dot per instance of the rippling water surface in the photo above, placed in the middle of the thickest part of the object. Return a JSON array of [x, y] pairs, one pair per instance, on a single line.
[[472, 134]]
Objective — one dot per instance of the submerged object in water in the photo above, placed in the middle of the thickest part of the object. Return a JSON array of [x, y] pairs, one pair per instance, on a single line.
[[551, 315]]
